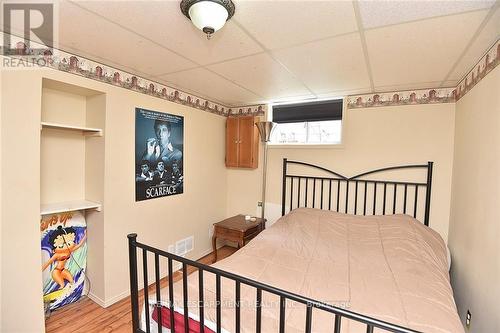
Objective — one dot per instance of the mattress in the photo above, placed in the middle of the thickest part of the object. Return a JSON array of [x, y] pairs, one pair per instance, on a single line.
[[390, 267]]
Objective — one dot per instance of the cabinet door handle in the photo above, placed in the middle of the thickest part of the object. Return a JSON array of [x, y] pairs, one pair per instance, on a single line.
[[235, 141]]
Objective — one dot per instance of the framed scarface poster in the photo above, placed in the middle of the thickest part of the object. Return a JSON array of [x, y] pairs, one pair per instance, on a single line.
[[159, 146]]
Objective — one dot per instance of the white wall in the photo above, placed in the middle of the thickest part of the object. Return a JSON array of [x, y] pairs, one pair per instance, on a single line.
[[1, 217], [158, 222], [372, 138], [22, 307], [475, 216]]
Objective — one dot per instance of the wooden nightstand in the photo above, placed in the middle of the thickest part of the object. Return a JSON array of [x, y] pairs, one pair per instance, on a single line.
[[236, 229]]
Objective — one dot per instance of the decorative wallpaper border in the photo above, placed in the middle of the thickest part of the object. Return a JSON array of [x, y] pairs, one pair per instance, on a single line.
[[410, 97], [487, 63], [70, 63], [431, 96]]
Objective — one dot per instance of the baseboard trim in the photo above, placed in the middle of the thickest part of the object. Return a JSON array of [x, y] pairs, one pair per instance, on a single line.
[[206, 253], [114, 299], [97, 299]]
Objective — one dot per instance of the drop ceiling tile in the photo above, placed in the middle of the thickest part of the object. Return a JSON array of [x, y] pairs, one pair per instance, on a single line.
[[381, 13], [291, 99], [422, 51], [343, 93], [93, 57], [283, 23], [261, 74], [487, 37], [90, 34], [415, 86], [333, 64], [449, 83], [207, 84], [163, 22]]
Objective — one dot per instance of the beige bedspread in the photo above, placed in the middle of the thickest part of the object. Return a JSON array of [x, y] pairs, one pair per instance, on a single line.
[[388, 267]]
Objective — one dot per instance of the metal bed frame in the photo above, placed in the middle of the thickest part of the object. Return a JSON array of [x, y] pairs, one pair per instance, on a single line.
[[339, 313], [360, 185]]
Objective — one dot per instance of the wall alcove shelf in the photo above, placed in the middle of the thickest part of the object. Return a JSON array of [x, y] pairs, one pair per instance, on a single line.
[[71, 148], [88, 131], [72, 156], [69, 206]]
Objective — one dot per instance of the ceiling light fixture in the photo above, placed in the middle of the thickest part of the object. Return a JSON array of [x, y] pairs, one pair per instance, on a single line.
[[208, 15]]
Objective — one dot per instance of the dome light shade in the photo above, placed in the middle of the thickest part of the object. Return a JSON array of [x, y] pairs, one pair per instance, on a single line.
[[208, 15]]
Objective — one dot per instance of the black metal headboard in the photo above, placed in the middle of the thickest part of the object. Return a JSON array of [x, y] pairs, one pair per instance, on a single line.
[[350, 194]]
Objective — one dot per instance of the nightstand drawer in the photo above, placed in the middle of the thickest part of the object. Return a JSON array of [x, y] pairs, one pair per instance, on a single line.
[[252, 232], [227, 233]]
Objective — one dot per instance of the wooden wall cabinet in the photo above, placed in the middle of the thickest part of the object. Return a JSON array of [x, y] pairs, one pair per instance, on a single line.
[[242, 142]]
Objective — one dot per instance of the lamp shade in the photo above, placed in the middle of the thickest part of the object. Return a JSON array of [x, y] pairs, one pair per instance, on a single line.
[[208, 15], [265, 130]]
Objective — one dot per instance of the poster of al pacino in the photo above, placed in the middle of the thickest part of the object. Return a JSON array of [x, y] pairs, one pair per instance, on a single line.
[[159, 148]]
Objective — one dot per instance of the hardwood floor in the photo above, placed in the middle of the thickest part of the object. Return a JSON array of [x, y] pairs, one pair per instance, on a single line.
[[86, 316]]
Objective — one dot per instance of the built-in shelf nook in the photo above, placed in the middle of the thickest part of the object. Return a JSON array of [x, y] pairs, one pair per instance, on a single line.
[[72, 157], [72, 148], [83, 130], [69, 206]]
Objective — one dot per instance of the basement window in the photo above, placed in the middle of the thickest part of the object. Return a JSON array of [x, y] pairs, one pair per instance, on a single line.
[[310, 123]]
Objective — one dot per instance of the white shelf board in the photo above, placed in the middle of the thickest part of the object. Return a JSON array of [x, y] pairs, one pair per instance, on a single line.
[[68, 206], [84, 130]]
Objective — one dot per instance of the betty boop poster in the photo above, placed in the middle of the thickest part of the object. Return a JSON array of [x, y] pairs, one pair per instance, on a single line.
[[159, 144], [64, 257]]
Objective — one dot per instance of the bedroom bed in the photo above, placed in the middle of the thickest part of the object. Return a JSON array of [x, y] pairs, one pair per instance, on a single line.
[[345, 259]]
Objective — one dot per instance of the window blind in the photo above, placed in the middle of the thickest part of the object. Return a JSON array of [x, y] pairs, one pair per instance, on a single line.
[[311, 111]]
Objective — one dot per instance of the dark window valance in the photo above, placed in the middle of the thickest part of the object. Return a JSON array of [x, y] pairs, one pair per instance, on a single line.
[[311, 111]]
